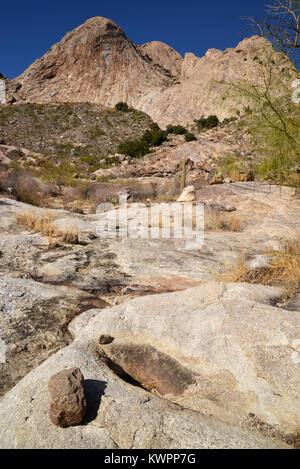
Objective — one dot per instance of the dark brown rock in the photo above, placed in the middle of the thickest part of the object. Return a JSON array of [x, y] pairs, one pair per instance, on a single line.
[[153, 369], [105, 339], [68, 403]]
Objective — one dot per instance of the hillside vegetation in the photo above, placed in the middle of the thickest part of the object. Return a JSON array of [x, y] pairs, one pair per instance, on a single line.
[[69, 129]]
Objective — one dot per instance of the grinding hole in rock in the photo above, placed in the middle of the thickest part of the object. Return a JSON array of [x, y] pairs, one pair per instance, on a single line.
[[144, 365]]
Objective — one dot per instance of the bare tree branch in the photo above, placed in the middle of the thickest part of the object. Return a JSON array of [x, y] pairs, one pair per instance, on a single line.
[[281, 26]]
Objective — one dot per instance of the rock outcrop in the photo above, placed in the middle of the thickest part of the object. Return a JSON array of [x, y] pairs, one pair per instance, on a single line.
[[97, 63], [188, 194], [205, 84], [43, 289], [164, 56], [220, 354]]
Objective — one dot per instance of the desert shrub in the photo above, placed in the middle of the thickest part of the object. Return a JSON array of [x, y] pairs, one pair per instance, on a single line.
[[122, 107], [77, 206], [82, 190], [154, 126], [176, 129], [235, 167], [283, 270], [154, 137], [220, 221], [207, 122], [60, 173], [3, 185], [279, 142], [274, 123], [137, 148], [189, 137], [134, 148], [50, 190], [70, 234], [228, 120], [64, 149], [248, 110], [105, 178], [25, 188]]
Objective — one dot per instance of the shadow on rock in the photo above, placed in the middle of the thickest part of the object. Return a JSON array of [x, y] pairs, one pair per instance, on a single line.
[[94, 390]]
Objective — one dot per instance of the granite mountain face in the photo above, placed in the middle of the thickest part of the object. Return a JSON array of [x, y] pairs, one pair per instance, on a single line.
[[95, 63], [98, 63]]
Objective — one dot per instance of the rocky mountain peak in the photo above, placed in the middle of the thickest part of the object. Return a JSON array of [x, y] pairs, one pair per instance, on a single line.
[[98, 27], [98, 63]]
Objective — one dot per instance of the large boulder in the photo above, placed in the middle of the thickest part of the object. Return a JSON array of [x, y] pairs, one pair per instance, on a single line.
[[234, 340]]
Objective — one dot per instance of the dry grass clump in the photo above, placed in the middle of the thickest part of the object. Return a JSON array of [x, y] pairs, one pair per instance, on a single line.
[[78, 206], [37, 221], [285, 268], [43, 222], [70, 234], [220, 221], [237, 272], [283, 271]]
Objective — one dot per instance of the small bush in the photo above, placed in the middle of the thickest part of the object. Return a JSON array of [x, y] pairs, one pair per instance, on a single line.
[[189, 137], [176, 129], [235, 167], [61, 174], [207, 122], [137, 148], [218, 221], [50, 190], [134, 148], [70, 234], [228, 120], [154, 137], [154, 126], [248, 111], [123, 107], [82, 190]]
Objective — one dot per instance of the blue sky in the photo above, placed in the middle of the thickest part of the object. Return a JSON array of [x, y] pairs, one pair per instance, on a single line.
[[29, 28]]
